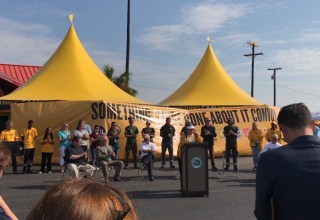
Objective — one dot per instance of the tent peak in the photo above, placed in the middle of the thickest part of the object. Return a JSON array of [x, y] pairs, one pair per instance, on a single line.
[[70, 17], [208, 39]]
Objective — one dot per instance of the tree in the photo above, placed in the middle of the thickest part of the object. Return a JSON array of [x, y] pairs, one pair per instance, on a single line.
[[121, 81]]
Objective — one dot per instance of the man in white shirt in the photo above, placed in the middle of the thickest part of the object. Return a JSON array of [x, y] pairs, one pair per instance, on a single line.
[[273, 144], [148, 154]]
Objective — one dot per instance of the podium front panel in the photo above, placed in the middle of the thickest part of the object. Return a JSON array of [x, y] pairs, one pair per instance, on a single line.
[[195, 169], [16, 147]]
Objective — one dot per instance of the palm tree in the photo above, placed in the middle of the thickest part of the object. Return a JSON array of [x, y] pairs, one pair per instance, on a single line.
[[121, 81]]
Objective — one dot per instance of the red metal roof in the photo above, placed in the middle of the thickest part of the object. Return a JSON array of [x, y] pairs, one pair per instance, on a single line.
[[17, 74]]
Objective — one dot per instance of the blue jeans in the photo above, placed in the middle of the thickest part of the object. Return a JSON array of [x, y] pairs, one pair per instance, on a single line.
[[115, 148], [93, 156], [255, 154], [164, 147]]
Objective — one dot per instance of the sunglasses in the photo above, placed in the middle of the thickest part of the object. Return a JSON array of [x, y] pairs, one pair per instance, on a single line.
[[120, 214]]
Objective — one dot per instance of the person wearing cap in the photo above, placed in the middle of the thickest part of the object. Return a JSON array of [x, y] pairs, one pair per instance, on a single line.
[[186, 124], [231, 133], [148, 130], [131, 133], [208, 133], [167, 132], [28, 135], [148, 154], [255, 137], [105, 157], [273, 130], [190, 136]]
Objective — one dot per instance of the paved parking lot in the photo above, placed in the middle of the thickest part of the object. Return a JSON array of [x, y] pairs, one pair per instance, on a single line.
[[229, 197]]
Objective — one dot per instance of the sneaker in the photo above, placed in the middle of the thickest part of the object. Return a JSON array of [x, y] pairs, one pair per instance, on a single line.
[[254, 168], [40, 172], [172, 166], [117, 179], [49, 171], [97, 168]]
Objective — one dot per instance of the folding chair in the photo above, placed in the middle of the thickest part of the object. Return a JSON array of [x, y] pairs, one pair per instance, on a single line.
[[98, 173], [142, 167], [224, 163], [66, 170]]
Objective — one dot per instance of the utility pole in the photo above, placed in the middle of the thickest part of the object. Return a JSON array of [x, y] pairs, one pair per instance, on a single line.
[[273, 77], [252, 55], [128, 38]]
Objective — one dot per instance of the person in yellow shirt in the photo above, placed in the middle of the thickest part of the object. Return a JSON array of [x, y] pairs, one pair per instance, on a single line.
[[255, 137], [8, 135], [273, 130], [47, 150], [28, 136]]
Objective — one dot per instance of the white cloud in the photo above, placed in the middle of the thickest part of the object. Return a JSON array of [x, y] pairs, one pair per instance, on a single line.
[[25, 43], [312, 36], [163, 37], [206, 17], [202, 18], [298, 61]]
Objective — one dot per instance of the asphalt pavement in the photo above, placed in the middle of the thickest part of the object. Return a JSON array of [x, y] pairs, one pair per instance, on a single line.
[[229, 197]]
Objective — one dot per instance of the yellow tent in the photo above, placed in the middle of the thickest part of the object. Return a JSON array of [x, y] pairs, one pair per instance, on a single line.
[[70, 74], [209, 85]]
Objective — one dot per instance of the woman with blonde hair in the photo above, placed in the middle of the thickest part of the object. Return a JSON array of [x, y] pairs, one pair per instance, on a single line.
[[85, 199], [5, 211], [64, 141]]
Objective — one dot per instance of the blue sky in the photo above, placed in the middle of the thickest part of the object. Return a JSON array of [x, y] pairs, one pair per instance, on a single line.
[[168, 39]]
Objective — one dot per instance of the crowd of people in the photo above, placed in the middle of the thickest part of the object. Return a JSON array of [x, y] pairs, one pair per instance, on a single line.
[[74, 146], [286, 177]]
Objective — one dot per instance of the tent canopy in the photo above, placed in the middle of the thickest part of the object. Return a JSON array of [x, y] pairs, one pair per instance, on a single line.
[[70, 74], [209, 85]]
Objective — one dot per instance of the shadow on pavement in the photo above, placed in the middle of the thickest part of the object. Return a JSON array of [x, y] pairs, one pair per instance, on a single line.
[[148, 194], [42, 187]]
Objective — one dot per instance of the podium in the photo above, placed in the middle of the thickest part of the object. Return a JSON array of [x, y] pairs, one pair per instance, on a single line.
[[16, 147], [194, 160]]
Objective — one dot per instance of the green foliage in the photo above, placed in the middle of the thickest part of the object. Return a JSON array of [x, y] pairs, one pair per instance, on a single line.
[[121, 81]]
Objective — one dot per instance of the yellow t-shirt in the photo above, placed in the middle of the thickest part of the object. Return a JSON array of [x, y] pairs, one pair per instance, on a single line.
[[255, 135], [9, 135], [29, 136], [47, 147]]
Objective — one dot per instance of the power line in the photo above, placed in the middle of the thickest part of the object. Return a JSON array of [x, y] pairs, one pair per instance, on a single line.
[[295, 90]]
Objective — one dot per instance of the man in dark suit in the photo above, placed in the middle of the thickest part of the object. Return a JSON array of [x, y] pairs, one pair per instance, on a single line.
[[288, 178]]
